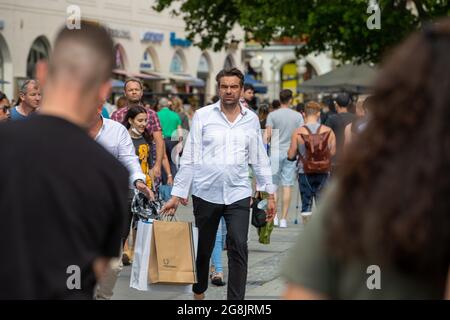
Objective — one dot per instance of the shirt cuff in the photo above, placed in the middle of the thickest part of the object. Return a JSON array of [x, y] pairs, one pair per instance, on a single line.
[[180, 192], [269, 188], [135, 177]]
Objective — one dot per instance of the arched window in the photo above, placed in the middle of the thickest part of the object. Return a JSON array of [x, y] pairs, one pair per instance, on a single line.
[[177, 65], [148, 63], [119, 57], [39, 50], [229, 62]]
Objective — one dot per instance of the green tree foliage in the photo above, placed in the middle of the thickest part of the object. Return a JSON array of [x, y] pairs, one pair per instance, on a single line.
[[338, 26]]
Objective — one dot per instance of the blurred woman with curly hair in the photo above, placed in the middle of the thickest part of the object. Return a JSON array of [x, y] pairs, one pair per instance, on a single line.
[[383, 229]]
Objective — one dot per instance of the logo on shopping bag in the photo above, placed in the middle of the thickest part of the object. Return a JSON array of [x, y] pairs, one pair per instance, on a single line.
[[166, 264]]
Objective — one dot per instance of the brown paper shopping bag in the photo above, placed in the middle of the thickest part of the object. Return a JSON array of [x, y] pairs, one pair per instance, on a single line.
[[172, 255]]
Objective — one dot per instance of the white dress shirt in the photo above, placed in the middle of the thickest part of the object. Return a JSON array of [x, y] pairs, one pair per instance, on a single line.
[[115, 138], [217, 155]]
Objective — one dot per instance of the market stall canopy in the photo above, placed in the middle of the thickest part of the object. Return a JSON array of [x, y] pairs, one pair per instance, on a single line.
[[258, 85], [350, 78]]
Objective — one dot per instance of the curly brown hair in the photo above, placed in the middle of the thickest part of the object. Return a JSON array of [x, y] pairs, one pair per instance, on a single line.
[[392, 200]]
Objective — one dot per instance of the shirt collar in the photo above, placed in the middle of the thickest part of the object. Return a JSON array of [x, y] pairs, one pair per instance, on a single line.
[[101, 129], [244, 110]]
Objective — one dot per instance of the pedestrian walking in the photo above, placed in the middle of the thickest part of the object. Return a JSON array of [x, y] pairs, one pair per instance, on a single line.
[[314, 144], [280, 125], [63, 196], [383, 229], [224, 139]]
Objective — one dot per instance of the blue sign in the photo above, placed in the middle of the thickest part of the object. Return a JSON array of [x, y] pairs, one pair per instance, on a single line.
[[179, 42], [152, 37]]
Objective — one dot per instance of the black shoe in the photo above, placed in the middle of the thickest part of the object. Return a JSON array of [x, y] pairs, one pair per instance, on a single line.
[[217, 279]]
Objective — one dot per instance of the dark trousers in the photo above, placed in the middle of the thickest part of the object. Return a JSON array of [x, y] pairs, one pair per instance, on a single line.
[[310, 186], [207, 217]]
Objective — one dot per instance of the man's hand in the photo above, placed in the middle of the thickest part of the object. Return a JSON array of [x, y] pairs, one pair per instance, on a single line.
[[184, 202], [142, 187], [271, 208], [171, 206]]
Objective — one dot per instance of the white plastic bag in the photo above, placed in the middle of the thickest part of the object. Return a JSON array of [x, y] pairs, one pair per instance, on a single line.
[[139, 269]]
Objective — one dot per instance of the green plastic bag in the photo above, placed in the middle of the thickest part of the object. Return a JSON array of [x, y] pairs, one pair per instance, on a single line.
[[265, 232]]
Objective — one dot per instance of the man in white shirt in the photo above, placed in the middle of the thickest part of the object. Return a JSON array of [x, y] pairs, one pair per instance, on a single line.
[[224, 139], [115, 138]]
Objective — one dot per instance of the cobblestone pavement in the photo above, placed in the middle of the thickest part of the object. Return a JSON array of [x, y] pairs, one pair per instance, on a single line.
[[263, 281]]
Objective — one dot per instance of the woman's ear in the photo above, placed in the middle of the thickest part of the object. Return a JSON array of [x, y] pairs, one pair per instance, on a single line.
[[130, 121]]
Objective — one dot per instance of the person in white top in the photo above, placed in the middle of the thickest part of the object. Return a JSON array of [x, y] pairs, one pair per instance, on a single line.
[[224, 139], [115, 138]]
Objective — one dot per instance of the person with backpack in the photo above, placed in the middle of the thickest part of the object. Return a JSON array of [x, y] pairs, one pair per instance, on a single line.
[[315, 144]]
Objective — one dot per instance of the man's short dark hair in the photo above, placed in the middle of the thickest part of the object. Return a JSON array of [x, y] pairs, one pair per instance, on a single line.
[[248, 86], [233, 72], [285, 96], [84, 55], [300, 107], [343, 99], [276, 104], [132, 80]]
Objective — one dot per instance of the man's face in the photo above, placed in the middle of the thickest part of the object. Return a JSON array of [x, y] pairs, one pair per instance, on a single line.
[[4, 110], [229, 90], [248, 95], [32, 97], [133, 92]]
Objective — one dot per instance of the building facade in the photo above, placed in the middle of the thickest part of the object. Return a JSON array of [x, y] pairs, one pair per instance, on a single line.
[[277, 66], [149, 45]]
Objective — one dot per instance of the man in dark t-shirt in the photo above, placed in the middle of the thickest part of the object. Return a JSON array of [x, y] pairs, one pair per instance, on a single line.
[[63, 197], [56, 211], [337, 122]]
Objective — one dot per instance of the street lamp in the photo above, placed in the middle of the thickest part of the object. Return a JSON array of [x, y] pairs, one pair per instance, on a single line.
[[274, 67]]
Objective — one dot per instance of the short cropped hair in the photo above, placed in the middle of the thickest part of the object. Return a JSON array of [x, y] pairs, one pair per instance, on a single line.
[[84, 55], [233, 72], [248, 86], [312, 107], [285, 96], [132, 80]]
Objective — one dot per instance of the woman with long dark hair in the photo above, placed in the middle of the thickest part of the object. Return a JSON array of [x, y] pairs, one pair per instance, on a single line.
[[383, 230]]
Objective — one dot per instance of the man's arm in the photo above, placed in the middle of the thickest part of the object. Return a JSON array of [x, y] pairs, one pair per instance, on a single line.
[[293, 148], [260, 163], [332, 143], [160, 150], [154, 127], [268, 132], [192, 155]]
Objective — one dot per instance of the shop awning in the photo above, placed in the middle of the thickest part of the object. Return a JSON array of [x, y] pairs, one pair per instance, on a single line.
[[350, 78], [258, 85], [181, 78], [121, 72], [117, 83], [140, 75], [146, 76]]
